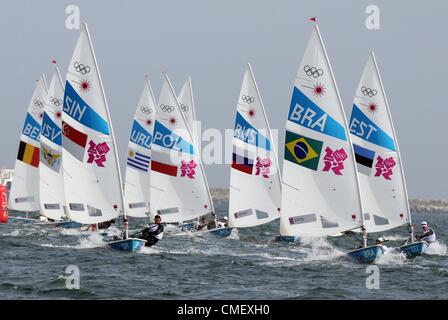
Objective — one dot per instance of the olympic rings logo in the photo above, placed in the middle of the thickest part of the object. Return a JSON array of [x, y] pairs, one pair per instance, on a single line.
[[55, 101], [146, 110], [313, 71], [166, 108], [79, 67], [184, 107], [248, 99], [38, 103], [368, 91]]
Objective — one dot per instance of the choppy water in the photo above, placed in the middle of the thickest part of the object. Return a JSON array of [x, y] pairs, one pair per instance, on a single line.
[[33, 260]]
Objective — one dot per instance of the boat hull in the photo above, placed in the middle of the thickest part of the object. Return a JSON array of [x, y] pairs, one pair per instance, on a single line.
[[221, 232], [414, 249], [129, 245], [23, 220], [68, 224], [186, 226], [289, 239], [366, 255]]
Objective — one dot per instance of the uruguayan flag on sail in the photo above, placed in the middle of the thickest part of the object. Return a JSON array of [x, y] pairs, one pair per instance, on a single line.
[[138, 161]]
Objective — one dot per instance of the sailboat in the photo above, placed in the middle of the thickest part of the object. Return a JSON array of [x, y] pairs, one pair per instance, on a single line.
[[51, 183], [380, 169], [320, 193], [179, 189], [92, 180], [255, 182], [138, 165], [24, 193]]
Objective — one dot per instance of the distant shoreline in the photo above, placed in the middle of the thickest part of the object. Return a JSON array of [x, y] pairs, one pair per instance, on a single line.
[[416, 205]]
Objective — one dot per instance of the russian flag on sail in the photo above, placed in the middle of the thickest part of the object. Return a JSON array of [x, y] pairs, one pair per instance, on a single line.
[[241, 161], [138, 161]]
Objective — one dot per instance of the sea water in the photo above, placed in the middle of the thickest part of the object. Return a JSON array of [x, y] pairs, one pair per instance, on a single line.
[[35, 263]]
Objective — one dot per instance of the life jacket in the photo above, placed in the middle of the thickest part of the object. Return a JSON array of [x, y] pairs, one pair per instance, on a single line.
[[429, 236]]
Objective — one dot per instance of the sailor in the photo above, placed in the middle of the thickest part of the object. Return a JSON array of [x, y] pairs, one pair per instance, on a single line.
[[223, 222], [105, 224], [153, 233], [427, 235], [202, 224], [380, 241]]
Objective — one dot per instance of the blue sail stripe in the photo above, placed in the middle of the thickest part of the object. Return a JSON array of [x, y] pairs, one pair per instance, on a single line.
[[165, 138], [80, 111], [51, 130], [31, 128], [363, 127], [244, 131], [303, 111]]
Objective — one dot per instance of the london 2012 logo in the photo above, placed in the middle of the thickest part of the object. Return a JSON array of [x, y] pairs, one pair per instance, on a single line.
[[97, 153]]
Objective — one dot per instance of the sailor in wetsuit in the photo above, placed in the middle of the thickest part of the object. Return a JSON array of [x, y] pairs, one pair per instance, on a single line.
[[153, 233], [427, 235]]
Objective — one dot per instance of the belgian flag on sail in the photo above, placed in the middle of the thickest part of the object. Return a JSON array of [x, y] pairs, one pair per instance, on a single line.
[[28, 154], [302, 150]]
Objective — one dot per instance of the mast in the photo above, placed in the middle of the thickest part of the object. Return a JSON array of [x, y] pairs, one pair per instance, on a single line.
[[125, 220], [194, 129], [151, 93], [396, 144], [358, 188], [46, 93], [267, 122]]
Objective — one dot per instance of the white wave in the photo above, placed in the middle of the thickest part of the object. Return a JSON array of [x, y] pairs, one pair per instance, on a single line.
[[437, 248], [93, 240], [234, 235], [396, 238], [14, 233], [392, 258]]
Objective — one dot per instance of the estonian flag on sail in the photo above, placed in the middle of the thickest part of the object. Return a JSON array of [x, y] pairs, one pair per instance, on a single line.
[[138, 161], [364, 159]]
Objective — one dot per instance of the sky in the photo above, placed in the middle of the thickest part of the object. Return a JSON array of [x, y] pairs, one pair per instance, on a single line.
[[212, 41]]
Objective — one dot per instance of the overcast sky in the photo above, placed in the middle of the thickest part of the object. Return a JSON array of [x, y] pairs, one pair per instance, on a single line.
[[213, 40]]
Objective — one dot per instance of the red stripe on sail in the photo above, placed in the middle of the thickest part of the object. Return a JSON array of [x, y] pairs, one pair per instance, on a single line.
[[36, 157], [74, 135], [164, 168], [246, 168]]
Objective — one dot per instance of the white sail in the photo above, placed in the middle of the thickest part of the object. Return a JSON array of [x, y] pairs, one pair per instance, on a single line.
[[179, 190], [186, 103], [255, 184], [24, 194], [138, 163], [92, 182], [320, 187], [380, 171], [51, 184]]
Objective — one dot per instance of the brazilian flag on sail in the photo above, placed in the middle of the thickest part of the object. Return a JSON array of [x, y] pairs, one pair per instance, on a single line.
[[302, 150]]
